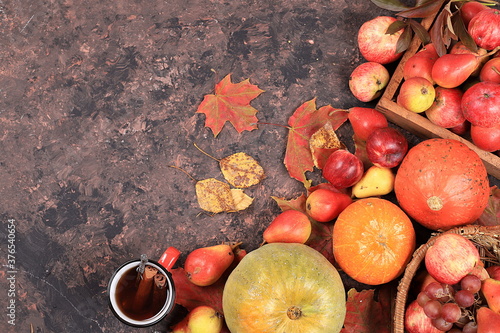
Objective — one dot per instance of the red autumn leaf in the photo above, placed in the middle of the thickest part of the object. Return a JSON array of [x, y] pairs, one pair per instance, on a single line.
[[321, 239], [304, 122], [491, 215], [190, 295], [231, 102], [365, 314], [297, 203]]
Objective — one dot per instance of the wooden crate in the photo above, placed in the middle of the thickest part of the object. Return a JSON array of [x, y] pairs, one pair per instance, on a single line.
[[419, 124]]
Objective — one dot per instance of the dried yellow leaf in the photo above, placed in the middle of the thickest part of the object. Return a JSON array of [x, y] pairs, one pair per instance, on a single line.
[[241, 170], [241, 200], [322, 143], [214, 196]]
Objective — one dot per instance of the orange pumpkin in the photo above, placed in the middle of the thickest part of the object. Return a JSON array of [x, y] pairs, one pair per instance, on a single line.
[[442, 183], [373, 240]]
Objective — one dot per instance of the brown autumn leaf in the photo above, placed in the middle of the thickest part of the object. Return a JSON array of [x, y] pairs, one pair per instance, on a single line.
[[241, 170], [491, 215], [230, 102], [297, 203], [305, 121], [322, 143], [215, 196]]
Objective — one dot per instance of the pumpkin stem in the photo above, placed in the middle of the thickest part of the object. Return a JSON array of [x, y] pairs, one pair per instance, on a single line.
[[294, 312], [435, 203]]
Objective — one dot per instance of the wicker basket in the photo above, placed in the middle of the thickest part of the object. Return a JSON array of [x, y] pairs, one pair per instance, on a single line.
[[487, 239]]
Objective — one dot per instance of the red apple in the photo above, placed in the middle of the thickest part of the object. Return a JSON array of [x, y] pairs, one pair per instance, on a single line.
[[291, 226], [494, 272], [486, 138], [461, 129], [375, 44], [343, 169], [446, 110], [488, 321], [481, 104], [480, 271], [491, 291], [484, 28], [450, 258], [469, 9], [416, 321], [368, 80], [365, 120], [491, 71], [324, 205], [386, 147], [416, 94], [420, 64]]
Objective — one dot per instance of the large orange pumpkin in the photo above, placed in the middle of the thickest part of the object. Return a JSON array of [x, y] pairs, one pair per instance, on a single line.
[[373, 240], [442, 183]]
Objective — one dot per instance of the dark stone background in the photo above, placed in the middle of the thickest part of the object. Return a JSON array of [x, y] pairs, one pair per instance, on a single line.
[[98, 98]]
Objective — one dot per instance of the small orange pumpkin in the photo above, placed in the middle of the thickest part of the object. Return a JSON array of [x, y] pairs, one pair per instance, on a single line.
[[442, 183], [373, 240]]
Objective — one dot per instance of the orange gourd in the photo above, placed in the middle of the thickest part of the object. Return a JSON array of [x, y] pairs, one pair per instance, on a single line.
[[373, 240], [442, 183]]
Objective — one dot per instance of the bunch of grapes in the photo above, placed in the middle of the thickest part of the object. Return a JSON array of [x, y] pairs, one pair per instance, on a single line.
[[451, 308]]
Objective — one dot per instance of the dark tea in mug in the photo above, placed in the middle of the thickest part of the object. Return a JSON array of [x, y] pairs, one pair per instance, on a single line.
[[126, 295]]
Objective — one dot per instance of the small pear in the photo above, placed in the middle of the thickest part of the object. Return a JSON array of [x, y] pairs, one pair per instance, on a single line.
[[487, 320], [451, 70], [290, 226], [376, 181], [491, 291], [204, 266]]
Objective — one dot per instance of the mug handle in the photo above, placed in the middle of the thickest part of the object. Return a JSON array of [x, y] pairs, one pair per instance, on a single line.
[[169, 257]]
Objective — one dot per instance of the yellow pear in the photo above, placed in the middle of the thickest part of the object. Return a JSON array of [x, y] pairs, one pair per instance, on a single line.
[[376, 181]]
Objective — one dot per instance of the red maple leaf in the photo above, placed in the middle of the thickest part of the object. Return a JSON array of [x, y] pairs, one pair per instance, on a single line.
[[491, 214], [304, 122], [367, 315], [230, 102]]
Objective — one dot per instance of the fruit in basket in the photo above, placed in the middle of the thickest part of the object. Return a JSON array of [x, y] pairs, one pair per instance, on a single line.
[[375, 182], [487, 321], [446, 110], [451, 70], [494, 272], [451, 258], [290, 226], [469, 9], [386, 147], [420, 64], [365, 120], [324, 205], [284, 288], [204, 266], [491, 70], [416, 320], [442, 183], [368, 80], [481, 104], [486, 138], [484, 28], [491, 291], [343, 169], [481, 58], [373, 240], [416, 94], [377, 45]]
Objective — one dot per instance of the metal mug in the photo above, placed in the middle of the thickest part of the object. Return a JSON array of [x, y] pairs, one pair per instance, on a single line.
[[121, 279]]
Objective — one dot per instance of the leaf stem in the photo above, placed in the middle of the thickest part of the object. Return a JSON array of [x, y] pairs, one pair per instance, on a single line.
[[205, 152], [181, 169]]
